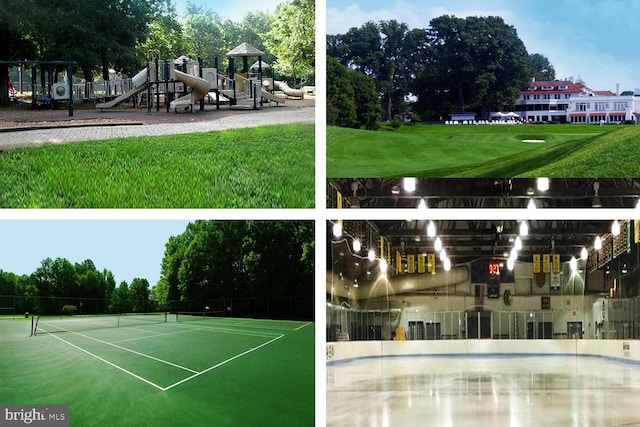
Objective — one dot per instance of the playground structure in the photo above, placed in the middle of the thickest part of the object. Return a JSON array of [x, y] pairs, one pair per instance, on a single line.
[[179, 85]]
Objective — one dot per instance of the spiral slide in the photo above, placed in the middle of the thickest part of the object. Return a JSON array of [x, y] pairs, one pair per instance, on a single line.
[[199, 89]]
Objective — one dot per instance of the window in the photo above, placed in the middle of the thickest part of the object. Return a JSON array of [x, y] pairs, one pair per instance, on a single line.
[[536, 96], [602, 106], [547, 87], [567, 95], [582, 106], [532, 88], [620, 106], [563, 87]]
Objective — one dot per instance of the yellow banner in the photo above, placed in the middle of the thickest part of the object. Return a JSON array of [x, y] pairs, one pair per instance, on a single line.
[[399, 269], [421, 259], [431, 263], [636, 231], [411, 263], [339, 200], [536, 263], [546, 263], [556, 263]]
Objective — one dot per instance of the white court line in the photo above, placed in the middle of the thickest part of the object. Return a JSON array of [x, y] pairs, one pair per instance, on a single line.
[[221, 363], [111, 364], [300, 327], [224, 331], [127, 349], [151, 336]]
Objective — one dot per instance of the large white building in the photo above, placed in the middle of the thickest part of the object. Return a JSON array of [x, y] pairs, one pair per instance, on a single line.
[[567, 102]]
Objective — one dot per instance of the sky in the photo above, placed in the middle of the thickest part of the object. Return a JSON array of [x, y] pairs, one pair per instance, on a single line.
[[129, 248], [232, 9], [595, 40]]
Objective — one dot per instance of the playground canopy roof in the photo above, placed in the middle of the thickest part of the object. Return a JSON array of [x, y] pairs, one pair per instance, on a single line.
[[256, 65], [244, 50]]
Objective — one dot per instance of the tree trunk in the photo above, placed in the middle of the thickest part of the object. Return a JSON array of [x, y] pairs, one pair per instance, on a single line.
[[389, 105]]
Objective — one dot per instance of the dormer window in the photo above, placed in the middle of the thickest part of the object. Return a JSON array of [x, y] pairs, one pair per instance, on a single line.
[[547, 87], [563, 87], [532, 88]]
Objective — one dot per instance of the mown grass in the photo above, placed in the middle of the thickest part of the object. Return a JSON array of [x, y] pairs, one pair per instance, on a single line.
[[461, 151], [264, 167]]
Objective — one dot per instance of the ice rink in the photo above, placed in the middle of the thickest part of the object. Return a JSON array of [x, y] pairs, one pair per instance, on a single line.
[[483, 391]]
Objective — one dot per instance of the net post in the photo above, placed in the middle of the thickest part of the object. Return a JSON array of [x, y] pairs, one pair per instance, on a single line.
[[31, 326]]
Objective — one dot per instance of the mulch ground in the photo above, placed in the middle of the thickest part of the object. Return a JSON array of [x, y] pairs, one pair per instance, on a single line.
[[24, 117]]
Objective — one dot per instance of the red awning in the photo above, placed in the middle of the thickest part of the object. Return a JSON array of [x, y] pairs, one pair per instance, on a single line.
[[598, 114], [578, 114]]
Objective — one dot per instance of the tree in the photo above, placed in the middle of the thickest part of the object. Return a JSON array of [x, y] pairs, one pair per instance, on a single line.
[[368, 109], [341, 107], [139, 295], [292, 39], [477, 63], [166, 40], [120, 299], [541, 68]]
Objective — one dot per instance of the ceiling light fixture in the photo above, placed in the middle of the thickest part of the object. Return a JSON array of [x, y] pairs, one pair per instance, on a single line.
[[437, 245], [584, 254], [524, 229], [423, 204], [597, 244], [337, 230], [542, 184], [409, 184], [431, 229], [371, 255], [356, 245], [383, 265], [615, 228], [518, 244], [573, 264]]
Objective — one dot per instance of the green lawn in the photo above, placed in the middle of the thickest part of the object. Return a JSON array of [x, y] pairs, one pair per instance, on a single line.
[[213, 372], [484, 151], [265, 167]]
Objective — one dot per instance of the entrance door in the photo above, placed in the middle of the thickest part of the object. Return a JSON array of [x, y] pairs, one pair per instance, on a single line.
[[478, 330], [574, 330], [416, 330], [432, 331]]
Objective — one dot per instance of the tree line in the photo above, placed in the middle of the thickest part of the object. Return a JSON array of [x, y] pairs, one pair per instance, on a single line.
[[102, 34], [238, 259], [456, 64], [209, 260], [59, 283]]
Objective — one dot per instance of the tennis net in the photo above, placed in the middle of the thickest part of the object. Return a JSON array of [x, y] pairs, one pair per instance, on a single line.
[[185, 316], [49, 325]]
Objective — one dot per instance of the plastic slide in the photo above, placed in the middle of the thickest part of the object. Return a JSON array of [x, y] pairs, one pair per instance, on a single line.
[[271, 97], [199, 89], [139, 84], [284, 87]]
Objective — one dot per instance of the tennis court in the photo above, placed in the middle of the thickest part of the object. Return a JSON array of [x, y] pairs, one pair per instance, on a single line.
[[162, 369]]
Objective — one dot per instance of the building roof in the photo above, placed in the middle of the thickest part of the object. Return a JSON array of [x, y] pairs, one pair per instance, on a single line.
[[556, 86], [603, 93]]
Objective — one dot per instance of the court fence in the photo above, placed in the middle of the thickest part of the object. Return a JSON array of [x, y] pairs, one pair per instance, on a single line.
[[276, 307]]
